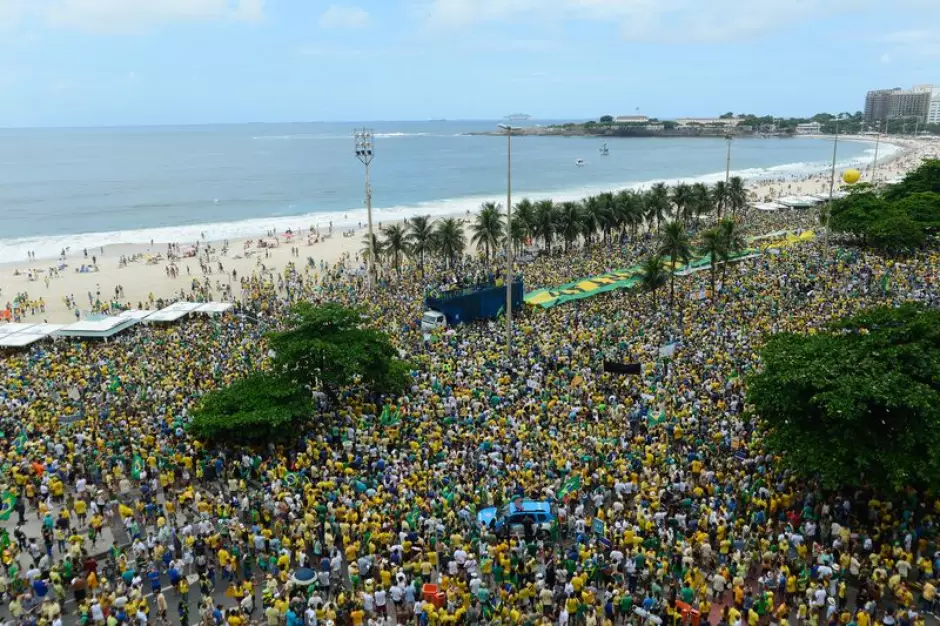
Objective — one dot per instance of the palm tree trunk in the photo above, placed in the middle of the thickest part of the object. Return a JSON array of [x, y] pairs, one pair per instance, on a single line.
[[672, 289]]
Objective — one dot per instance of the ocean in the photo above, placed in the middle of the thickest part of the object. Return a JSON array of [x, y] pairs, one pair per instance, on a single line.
[[90, 187]]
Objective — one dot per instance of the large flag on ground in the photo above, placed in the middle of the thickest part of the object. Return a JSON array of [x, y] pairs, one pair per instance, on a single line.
[[571, 486]]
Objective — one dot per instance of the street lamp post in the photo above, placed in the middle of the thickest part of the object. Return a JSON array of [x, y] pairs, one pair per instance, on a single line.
[[364, 152], [832, 183], [874, 164], [728, 160], [508, 130]]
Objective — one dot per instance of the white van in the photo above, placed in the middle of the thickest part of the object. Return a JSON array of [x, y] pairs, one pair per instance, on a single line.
[[432, 321]]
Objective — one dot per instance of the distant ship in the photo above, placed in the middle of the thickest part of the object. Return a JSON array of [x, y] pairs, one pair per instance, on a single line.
[[604, 150], [437, 119], [579, 162], [518, 117]]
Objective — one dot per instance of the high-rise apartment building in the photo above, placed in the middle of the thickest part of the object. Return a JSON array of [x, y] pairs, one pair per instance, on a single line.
[[886, 104]]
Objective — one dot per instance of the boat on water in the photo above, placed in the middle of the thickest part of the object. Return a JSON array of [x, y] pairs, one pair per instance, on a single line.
[[604, 150], [579, 162], [518, 117]]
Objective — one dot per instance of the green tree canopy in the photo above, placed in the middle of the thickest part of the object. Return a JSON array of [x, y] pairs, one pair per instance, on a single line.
[[923, 208], [925, 178], [891, 226], [255, 409], [856, 404], [327, 348]]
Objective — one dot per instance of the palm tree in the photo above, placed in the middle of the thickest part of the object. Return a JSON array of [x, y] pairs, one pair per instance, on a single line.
[[732, 241], [395, 244], [543, 226], [737, 195], [682, 199], [658, 207], [713, 246], [449, 239], [595, 216], [570, 222], [701, 201], [518, 232], [719, 195], [524, 212], [674, 243], [371, 252], [420, 237], [487, 228], [606, 216], [629, 210], [653, 276]]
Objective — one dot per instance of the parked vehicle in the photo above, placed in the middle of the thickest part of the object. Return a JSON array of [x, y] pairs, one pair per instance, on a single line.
[[513, 518]]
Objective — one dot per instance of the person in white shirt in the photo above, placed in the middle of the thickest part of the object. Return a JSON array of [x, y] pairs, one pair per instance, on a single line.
[[381, 601]]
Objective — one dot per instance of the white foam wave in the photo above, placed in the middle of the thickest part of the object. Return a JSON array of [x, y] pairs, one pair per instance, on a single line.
[[15, 250]]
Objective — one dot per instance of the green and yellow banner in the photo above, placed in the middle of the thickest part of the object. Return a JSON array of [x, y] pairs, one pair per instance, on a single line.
[[611, 281]]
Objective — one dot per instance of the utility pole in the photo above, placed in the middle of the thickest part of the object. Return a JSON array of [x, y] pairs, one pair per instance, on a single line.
[[364, 152], [508, 130]]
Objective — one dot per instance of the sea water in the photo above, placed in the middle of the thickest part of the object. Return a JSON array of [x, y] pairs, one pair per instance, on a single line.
[[81, 188]]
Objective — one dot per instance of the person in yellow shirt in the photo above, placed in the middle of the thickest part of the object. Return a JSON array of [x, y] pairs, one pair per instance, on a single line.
[[357, 616]]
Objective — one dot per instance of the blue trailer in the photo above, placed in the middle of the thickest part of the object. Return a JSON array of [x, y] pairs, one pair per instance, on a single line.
[[470, 304]]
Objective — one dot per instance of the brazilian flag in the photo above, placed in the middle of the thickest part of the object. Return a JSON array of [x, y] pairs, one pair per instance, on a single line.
[[7, 502], [20, 442], [571, 486], [389, 417], [137, 467]]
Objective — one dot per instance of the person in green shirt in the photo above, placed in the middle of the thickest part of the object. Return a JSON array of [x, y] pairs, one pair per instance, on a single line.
[[626, 605]]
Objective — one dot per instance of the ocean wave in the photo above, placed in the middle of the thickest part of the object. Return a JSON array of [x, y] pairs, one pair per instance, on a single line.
[[15, 250]]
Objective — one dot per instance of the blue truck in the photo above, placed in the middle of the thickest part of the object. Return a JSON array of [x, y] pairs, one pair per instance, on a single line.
[[462, 306]]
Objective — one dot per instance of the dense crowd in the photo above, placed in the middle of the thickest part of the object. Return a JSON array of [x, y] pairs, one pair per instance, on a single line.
[[667, 506]]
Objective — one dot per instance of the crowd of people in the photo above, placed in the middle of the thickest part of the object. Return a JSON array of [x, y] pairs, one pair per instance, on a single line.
[[665, 507]]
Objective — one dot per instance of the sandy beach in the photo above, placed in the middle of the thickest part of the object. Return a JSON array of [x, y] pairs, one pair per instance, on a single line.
[[148, 275]]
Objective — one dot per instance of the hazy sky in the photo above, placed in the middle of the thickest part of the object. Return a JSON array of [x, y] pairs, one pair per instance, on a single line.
[[103, 62]]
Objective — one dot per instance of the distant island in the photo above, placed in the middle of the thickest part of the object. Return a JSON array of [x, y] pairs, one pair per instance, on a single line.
[[728, 124]]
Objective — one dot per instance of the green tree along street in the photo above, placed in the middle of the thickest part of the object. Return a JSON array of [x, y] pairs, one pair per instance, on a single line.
[[259, 408], [858, 403], [895, 220], [326, 348]]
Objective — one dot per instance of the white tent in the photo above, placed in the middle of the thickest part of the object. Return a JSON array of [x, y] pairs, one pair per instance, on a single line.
[[173, 312], [215, 307], [137, 314]]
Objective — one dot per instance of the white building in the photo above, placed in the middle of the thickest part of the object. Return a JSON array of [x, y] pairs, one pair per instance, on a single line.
[[631, 119], [933, 111], [707, 121], [809, 128]]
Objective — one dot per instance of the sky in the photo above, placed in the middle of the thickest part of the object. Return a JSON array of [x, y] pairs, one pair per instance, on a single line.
[[139, 62]]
